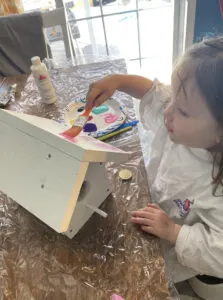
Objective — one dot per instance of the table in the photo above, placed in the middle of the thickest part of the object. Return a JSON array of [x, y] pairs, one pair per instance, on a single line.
[[108, 255]]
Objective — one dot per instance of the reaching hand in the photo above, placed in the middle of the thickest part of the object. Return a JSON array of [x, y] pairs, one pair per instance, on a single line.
[[101, 90]]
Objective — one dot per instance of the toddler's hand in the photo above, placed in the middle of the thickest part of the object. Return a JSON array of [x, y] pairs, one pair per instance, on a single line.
[[101, 90], [155, 221]]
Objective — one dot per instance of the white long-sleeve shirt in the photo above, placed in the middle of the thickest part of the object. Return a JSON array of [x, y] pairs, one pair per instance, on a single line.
[[180, 180]]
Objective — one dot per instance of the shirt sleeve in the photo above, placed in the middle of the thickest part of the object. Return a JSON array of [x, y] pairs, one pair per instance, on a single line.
[[200, 246], [152, 105]]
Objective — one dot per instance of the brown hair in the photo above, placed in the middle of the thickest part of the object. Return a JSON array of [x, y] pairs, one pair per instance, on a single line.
[[207, 59]]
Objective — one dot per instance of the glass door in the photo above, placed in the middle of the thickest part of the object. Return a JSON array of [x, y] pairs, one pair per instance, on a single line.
[[184, 21]]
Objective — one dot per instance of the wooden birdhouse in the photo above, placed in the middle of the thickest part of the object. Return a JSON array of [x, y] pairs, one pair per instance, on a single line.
[[62, 182]]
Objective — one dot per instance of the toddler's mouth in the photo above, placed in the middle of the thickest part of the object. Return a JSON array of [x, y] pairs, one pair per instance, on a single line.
[[169, 127]]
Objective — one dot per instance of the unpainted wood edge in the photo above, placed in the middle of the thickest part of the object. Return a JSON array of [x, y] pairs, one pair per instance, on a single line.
[[95, 156], [74, 196]]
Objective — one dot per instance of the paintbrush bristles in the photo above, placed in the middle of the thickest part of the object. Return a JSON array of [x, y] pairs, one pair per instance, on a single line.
[[78, 125], [72, 132]]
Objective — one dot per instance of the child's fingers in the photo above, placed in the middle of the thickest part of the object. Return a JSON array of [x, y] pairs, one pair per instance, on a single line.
[[142, 214], [138, 210], [101, 99], [147, 229], [153, 205], [150, 209], [142, 221], [92, 95]]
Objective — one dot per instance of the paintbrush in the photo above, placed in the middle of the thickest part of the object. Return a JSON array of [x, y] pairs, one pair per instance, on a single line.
[[78, 125]]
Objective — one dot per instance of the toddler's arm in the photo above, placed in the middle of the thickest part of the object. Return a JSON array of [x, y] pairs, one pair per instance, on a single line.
[[200, 248], [101, 90]]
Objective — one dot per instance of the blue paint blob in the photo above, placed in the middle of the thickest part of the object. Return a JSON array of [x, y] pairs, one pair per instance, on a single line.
[[90, 127], [83, 100]]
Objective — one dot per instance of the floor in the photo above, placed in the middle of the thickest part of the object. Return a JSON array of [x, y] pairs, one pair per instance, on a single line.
[[186, 293]]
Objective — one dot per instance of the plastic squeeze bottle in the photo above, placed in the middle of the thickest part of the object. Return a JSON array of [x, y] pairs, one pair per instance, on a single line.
[[42, 79]]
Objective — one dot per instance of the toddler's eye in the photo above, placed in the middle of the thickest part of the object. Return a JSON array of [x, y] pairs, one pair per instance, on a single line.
[[183, 113]]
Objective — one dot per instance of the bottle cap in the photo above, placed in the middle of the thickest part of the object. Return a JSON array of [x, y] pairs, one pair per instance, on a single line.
[[35, 60]]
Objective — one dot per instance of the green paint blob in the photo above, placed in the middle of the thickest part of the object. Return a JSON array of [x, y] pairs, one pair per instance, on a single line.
[[100, 109]]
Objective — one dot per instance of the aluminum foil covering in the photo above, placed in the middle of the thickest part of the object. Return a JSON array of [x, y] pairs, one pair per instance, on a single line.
[[108, 256]]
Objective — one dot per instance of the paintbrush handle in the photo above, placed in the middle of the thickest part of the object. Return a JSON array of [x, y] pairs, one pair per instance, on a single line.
[[87, 112], [82, 119], [78, 125]]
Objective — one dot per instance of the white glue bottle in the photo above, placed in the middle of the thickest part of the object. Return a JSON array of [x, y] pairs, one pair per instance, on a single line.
[[42, 79]]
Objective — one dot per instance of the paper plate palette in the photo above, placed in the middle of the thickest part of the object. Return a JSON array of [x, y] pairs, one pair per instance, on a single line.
[[103, 119]]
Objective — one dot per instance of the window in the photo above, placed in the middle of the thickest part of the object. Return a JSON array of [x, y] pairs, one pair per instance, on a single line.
[[141, 31]]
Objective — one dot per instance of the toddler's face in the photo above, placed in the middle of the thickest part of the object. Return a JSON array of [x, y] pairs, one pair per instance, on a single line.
[[187, 117]]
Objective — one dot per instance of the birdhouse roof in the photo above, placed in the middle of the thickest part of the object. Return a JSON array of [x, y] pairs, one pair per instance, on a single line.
[[83, 148]]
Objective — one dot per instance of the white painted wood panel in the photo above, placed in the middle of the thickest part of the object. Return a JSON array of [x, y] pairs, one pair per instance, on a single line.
[[39, 177]]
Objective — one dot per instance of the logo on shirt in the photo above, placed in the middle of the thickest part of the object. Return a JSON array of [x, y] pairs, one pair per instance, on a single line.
[[42, 77], [184, 206]]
